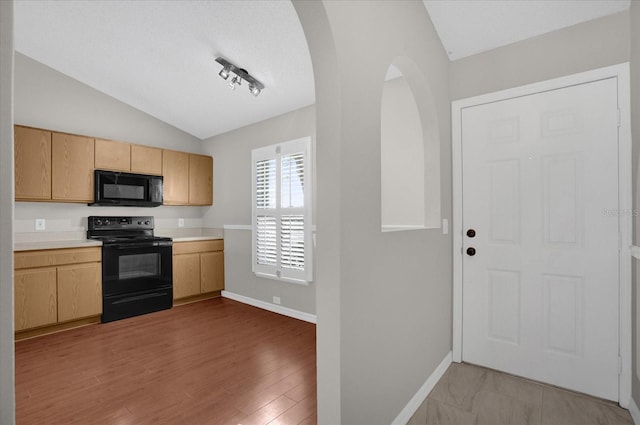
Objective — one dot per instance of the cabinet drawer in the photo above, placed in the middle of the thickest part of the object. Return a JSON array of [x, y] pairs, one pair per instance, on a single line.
[[54, 257], [198, 246]]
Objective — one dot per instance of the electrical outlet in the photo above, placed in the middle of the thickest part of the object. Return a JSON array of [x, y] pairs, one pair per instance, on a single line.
[[181, 222], [276, 300], [445, 226], [41, 224]]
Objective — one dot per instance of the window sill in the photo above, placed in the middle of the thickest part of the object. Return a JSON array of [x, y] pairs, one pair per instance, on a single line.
[[282, 279]]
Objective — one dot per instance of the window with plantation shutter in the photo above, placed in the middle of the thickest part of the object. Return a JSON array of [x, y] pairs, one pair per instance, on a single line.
[[281, 225]]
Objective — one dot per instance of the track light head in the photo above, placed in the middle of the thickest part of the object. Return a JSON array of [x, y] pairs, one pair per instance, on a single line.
[[224, 72], [254, 90], [235, 82]]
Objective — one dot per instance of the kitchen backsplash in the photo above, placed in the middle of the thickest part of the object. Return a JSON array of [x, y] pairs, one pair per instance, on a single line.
[[69, 221]]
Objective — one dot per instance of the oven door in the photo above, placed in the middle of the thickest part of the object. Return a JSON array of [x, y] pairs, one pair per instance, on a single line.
[[133, 267]]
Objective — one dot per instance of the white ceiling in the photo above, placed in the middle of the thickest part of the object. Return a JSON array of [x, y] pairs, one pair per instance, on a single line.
[[158, 56], [467, 27]]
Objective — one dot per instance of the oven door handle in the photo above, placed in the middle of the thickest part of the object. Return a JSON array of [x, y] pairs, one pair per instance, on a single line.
[[139, 245]]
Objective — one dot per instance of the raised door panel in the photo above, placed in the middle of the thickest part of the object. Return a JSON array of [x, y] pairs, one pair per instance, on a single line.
[[35, 298], [72, 168], [211, 271], [146, 160], [175, 169], [186, 275], [32, 155], [200, 180], [79, 291], [112, 155]]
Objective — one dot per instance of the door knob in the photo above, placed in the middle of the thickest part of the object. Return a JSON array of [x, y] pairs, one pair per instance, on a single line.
[[471, 251], [471, 233]]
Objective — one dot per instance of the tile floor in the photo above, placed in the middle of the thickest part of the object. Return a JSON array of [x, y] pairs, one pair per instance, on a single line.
[[473, 395]]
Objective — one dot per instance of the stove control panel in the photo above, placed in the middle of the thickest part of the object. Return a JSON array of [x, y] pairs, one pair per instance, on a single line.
[[111, 222]]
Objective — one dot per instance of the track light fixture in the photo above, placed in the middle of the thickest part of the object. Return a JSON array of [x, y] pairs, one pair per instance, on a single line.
[[239, 74]]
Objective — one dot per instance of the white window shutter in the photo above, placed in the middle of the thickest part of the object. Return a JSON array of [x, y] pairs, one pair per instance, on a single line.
[[281, 191]]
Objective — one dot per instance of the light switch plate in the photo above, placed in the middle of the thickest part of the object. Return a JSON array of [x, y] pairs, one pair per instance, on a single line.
[[41, 224], [445, 226]]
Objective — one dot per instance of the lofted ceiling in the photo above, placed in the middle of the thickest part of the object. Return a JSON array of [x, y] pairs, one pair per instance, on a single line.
[[158, 55]]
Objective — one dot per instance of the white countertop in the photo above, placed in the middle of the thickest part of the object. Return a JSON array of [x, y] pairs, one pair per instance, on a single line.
[[196, 238], [84, 243], [78, 243]]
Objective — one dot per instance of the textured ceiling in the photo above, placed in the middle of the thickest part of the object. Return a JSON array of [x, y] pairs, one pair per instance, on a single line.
[[467, 27], [158, 55]]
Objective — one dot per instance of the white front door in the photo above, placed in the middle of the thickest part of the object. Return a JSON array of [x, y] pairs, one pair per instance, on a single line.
[[540, 192]]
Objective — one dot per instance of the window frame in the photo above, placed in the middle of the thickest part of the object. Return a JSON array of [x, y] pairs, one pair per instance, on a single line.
[[277, 152]]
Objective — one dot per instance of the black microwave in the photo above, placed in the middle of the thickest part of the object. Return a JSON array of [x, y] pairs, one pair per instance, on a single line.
[[113, 188]]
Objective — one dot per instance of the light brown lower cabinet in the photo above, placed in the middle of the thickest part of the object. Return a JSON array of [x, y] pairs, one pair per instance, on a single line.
[[198, 268], [56, 286], [79, 291], [35, 298]]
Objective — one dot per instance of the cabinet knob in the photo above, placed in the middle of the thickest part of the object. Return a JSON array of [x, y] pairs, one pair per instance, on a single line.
[[471, 251], [471, 233]]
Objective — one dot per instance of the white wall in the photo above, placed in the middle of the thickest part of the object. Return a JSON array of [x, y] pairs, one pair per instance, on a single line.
[[7, 397], [46, 98], [232, 204], [383, 299]]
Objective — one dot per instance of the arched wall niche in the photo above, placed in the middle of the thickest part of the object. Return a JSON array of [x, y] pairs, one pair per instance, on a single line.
[[410, 150]]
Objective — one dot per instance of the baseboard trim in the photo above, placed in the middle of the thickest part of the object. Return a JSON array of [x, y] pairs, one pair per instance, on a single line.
[[635, 412], [296, 314], [405, 414]]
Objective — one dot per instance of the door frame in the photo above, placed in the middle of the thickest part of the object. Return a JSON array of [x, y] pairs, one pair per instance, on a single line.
[[625, 206]]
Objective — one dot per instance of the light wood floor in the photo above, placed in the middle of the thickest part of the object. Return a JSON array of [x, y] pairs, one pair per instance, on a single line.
[[473, 395], [210, 362]]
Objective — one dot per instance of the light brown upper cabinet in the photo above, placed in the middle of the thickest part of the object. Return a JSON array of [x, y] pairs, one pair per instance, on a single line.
[[146, 160], [72, 165], [175, 169], [200, 180], [32, 164], [112, 155]]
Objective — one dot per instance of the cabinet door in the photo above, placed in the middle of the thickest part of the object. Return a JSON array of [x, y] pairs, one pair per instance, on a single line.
[[211, 271], [186, 275], [146, 160], [35, 298], [79, 291], [112, 155], [72, 168], [175, 169], [200, 180], [32, 164]]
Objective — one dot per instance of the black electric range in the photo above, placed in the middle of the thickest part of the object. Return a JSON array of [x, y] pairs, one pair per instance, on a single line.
[[136, 266]]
